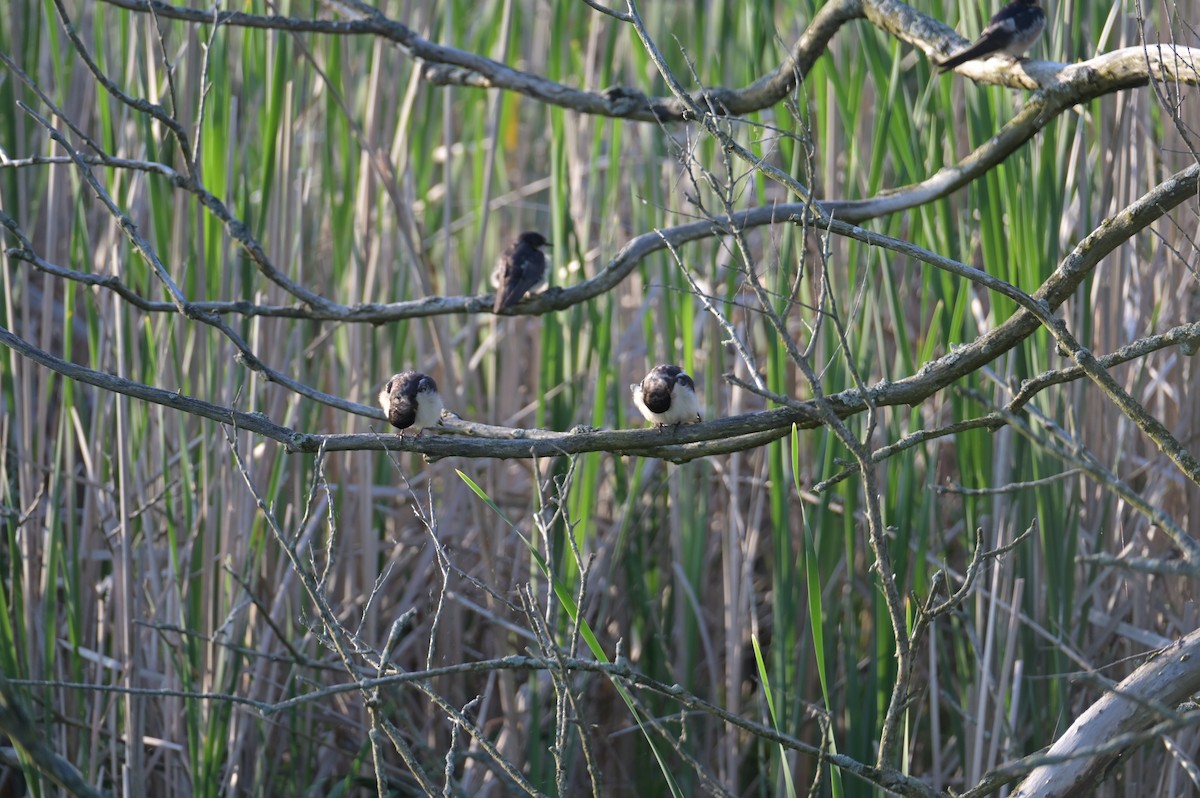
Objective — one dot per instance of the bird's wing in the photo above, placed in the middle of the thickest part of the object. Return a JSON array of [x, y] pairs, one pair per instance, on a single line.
[[507, 289]]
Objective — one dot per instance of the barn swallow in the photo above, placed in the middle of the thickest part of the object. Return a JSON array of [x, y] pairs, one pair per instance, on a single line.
[[1013, 30], [667, 396], [521, 268], [411, 400]]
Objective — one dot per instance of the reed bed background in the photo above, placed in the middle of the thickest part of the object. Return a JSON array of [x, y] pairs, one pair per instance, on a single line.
[[136, 553]]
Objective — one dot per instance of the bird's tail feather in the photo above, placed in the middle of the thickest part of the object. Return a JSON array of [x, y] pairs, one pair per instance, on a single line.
[[969, 54]]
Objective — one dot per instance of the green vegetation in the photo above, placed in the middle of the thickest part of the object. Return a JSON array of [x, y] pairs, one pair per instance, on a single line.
[[134, 552]]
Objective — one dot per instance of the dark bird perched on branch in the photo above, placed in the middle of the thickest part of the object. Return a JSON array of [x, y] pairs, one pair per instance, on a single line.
[[411, 400], [667, 396], [521, 268], [1012, 31]]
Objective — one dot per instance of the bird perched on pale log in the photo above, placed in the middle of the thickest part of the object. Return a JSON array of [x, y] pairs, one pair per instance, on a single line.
[[1011, 32]]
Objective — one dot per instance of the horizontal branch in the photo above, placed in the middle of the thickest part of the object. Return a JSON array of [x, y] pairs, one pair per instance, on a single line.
[[460, 438], [888, 778], [21, 729], [717, 436]]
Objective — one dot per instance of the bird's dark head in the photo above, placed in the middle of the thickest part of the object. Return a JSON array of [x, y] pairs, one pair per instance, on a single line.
[[409, 384], [535, 240], [670, 374]]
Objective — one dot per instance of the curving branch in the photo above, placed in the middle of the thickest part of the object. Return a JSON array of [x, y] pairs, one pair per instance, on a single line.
[[451, 66], [446, 66], [1184, 336], [234, 226]]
